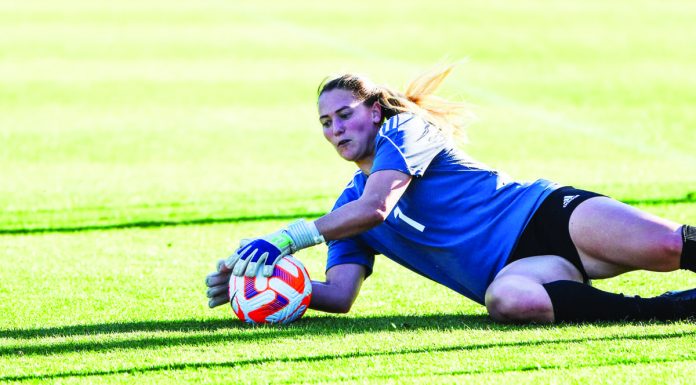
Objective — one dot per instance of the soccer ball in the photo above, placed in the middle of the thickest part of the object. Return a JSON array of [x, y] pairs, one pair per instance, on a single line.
[[280, 298]]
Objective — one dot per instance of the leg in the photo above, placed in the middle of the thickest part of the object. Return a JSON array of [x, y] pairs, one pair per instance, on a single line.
[[605, 238], [517, 293], [613, 238], [549, 288]]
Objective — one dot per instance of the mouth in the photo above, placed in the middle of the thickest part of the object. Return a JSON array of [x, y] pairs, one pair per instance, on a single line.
[[342, 142]]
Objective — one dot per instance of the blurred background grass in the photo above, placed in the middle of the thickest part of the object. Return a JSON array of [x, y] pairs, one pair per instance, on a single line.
[[144, 113], [113, 113]]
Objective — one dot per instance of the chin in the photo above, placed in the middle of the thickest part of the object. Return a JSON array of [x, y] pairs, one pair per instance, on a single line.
[[347, 155]]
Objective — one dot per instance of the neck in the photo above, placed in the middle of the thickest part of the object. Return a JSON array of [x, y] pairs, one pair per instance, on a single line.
[[365, 164]]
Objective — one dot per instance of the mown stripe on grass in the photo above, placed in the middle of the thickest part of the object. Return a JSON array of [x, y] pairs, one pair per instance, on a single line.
[[688, 198], [243, 332], [355, 324], [552, 119], [488, 371], [329, 357], [146, 224]]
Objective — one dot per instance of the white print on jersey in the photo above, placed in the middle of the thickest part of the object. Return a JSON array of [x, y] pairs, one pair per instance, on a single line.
[[567, 199], [502, 180], [398, 214]]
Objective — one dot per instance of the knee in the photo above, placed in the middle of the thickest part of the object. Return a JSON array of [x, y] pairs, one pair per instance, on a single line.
[[513, 300], [504, 302], [669, 248]]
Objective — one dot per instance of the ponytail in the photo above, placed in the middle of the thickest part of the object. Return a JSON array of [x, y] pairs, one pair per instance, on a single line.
[[448, 116]]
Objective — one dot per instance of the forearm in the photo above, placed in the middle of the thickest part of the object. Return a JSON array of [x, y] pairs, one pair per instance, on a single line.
[[382, 191], [351, 219], [329, 298], [340, 290]]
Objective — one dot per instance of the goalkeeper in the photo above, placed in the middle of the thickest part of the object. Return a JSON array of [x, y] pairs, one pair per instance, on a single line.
[[525, 250]]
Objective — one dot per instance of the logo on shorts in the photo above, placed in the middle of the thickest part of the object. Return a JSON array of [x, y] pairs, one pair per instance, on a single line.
[[567, 199]]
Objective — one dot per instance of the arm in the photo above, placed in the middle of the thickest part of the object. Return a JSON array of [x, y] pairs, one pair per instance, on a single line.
[[338, 293], [382, 190]]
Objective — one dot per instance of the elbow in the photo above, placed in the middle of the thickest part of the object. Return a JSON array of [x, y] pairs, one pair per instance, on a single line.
[[375, 212], [343, 306], [332, 306], [377, 217]]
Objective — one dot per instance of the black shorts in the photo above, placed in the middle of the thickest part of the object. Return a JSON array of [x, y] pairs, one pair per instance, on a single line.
[[547, 232]]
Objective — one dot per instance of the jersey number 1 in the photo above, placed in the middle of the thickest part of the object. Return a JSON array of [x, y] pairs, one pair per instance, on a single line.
[[398, 214]]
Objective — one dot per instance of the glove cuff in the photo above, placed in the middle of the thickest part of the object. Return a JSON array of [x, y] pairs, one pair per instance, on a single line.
[[303, 234]]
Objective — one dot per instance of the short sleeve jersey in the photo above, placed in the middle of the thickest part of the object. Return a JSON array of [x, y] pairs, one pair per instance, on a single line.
[[456, 223]]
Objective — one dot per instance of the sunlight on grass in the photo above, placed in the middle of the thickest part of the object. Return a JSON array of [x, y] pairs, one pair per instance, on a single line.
[[140, 140]]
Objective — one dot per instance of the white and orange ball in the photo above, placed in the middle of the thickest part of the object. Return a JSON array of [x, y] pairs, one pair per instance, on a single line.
[[280, 298]]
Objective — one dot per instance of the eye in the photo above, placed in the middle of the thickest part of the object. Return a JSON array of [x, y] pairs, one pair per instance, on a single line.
[[345, 115], [325, 123]]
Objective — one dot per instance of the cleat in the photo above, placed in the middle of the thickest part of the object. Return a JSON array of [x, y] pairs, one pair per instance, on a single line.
[[680, 295], [684, 302]]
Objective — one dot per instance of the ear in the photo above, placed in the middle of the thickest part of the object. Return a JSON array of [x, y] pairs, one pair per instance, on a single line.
[[376, 111]]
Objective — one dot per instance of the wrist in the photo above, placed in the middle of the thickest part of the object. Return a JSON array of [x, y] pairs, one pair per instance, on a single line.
[[303, 234]]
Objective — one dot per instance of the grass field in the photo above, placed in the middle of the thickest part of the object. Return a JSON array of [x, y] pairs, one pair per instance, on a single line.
[[139, 140]]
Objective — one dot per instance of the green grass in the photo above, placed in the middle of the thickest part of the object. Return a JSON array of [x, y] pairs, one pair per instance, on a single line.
[[140, 140]]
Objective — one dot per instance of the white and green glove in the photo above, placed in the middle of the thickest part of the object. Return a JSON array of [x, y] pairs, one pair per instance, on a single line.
[[266, 251], [218, 285]]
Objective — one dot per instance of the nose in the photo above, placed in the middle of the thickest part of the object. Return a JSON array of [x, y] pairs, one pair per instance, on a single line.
[[337, 127]]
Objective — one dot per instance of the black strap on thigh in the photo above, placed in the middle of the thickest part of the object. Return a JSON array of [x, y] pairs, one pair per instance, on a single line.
[[688, 255]]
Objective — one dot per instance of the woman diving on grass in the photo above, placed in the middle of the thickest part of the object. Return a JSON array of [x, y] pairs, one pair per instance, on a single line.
[[525, 250]]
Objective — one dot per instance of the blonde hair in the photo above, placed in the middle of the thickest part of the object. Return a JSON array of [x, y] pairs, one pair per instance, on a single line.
[[448, 116]]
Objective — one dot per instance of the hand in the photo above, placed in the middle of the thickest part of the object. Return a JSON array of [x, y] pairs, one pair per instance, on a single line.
[[265, 251], [218, 285], [271, 248]]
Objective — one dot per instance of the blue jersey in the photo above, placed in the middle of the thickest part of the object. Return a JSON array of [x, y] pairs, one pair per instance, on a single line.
[[456, 223]]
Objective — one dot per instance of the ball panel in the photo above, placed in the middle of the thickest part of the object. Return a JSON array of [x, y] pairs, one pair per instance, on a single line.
[[281, 298]]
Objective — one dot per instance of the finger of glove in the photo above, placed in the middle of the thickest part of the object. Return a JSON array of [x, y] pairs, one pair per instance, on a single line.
[[221, 267], [214, 279], [219, 300], [215, 291], [240, 254], [253, 267], [268, 268], [267, 271], [269, 264], [242, 257], [242, 263], [245, 241], [230, 262]]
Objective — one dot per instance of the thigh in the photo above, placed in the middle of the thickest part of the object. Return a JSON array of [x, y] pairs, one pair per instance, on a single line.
[[547, 232], [541, 269], [612, 238]]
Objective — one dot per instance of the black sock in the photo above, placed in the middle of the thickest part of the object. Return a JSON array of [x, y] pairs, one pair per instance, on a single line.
[[577, 302], [688, 255]]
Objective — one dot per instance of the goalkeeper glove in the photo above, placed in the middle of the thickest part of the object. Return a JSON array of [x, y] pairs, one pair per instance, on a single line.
[[266, 251], [218, 285]]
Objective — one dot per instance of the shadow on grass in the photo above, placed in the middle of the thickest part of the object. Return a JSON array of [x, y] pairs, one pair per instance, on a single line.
[[352, 355], [688, 198], [147, 224], [198, 332], [202, 332]]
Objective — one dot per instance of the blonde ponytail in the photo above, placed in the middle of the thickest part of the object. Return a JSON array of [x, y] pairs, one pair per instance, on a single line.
[[450, 117]]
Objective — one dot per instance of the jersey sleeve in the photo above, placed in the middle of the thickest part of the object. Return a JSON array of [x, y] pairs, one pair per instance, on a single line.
[[407, 143], [354, 249], [350, 250]]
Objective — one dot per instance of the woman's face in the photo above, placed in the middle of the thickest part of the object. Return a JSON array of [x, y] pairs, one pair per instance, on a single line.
[[349, 125]]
